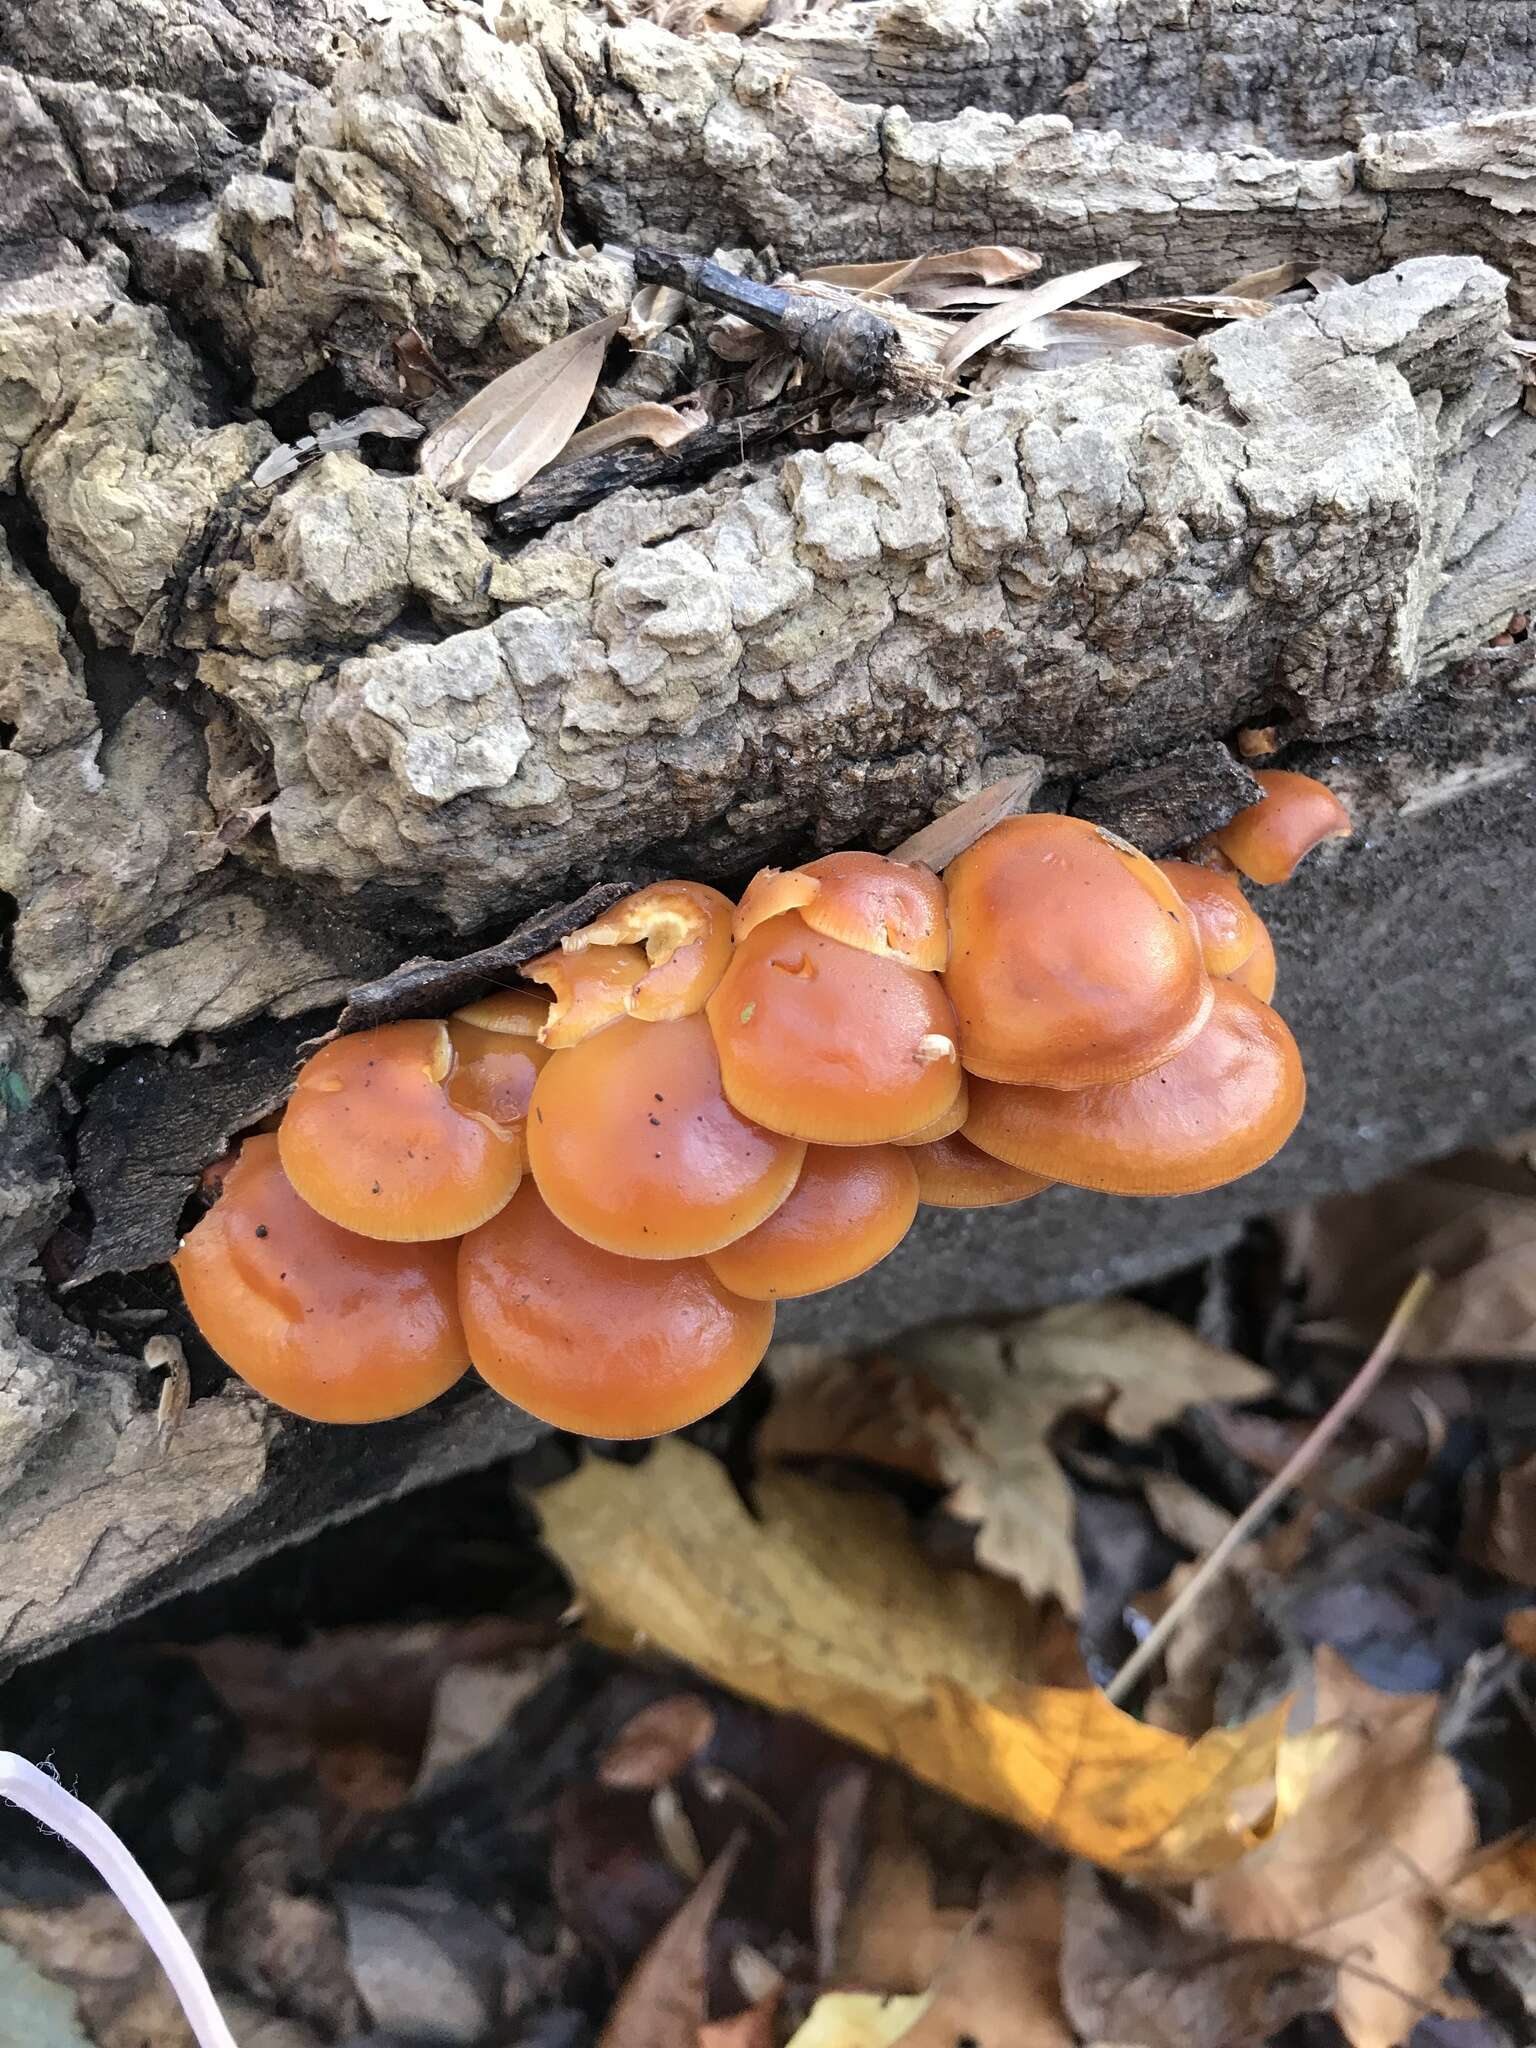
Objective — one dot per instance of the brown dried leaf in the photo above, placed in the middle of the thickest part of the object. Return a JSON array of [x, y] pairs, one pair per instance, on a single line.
[[664, 2003], [999, 1983], [1005, 319], [1265, 284], [1204, 309], [508, 432], [977, 1405], [895, 1937], [947, 837], [753, 2028], [662, 425], [1470, 1221], [795, 1608], [1499, 1884], [1060, 340], [653, 309], [987, 264], [1133, 1969], [1373, 1821], [658, 1742]]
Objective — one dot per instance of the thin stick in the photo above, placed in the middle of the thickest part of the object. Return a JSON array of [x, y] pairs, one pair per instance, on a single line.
[[1291, 1473], [24, 1785]]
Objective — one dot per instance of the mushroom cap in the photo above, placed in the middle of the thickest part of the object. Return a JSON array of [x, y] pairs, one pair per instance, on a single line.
[[588, 1341], [685, 928], [851, 1205], [824, 1042], [373, 1138], [510, 1013], [1220, 1107], [330, 1325], [953, 1119], [952, 1173], [1268, 841], [892, 908], [1257, 973], [591, 990], [498, 1064], [1226, 923], [1073, 960], [635, 1148]]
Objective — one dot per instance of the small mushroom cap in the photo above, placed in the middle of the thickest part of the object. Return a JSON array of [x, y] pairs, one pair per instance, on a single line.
[[1226, 923], [1257, 973], [685, 928], [497, 1068], [1212, 1113], [510, 1012], [373, 1138], [587, 1341], [1073, 960], [329, 1325], [635, 1148], [591, 990], [1268, 841], [952, 1173], [953, 1119], [824, 1042], [892, 908], [851, 1205]]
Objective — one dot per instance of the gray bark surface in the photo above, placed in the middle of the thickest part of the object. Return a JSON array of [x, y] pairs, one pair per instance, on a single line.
[[261, 744]]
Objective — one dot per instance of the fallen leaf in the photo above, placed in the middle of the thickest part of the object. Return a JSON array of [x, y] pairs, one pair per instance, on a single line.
[[824, 1606], [1497, 1885], [1007, 318], [947, 837], [856, 2019], [1372, 1821], [1520, 1631], [986, 264], [1134, 1969], [655, 1744], [894, 1936], [1205, 309], [974, 1406], [508, 432], [662, 425], [664, 2003], [386, 420], [121, 1995], [1471, 1221], [1265, 284], [653, 309], [753, 2028], [1059, 341], [999, 1984]]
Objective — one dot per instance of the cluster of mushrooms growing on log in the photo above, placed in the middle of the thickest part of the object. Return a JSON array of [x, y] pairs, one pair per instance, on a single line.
[[595, 1198]]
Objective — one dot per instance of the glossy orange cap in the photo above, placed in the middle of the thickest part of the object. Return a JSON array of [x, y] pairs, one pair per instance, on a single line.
[[591, 990], [374, 1140], [1268, 841], [892, 908], [1212, 1113], [496, 1042], [953, 1119], [851, 1205], [952, 1173], [636, 1149], [1073, 960], [1226, 923], [1257, 973], [685, 929], [327, 1324], [605, 1346], [822, 1041]]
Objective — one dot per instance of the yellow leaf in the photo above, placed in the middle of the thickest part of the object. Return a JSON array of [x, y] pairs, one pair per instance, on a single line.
[[824, 1606], [1497, 1886], [856, 2019]]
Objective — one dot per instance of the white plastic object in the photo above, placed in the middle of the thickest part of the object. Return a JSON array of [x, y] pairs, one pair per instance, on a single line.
[[24, 1785]]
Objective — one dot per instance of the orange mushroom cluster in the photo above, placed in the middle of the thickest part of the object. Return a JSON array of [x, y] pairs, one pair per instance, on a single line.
[[595, 1196]]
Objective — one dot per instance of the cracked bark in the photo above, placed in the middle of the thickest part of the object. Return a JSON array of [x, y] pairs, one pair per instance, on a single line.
[[260, 745]]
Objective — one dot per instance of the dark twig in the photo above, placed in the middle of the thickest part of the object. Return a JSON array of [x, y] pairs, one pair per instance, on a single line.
[[850, 344], [561, 493]]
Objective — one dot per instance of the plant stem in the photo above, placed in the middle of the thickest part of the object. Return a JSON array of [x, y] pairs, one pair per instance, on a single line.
[[1290, 1475]]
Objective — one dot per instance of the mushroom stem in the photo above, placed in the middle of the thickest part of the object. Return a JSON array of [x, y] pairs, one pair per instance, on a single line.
[[24, 1785]]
